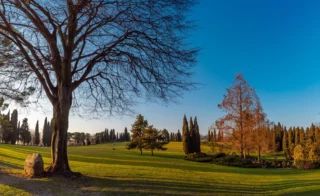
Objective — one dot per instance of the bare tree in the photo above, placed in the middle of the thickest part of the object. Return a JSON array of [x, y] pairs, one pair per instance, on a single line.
[[239, 106], [95, 56]]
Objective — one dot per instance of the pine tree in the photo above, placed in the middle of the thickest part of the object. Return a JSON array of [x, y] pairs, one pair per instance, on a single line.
[[185, 135], [154, 139], [192, 136], [14, 125], [197, 138], [36, 134], [137, 131]]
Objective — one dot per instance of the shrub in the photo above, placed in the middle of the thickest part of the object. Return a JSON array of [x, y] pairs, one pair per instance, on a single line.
[[198, 157], [236, 161], [219, 155]]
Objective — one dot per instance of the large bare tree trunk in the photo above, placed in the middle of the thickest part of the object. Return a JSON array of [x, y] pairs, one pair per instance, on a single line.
[[59, 158]]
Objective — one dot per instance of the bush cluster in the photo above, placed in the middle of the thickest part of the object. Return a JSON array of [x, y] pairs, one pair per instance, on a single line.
[[235, 161], [198, 157]]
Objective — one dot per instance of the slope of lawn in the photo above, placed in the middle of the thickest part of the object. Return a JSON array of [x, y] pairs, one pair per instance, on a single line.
[[123, 172]]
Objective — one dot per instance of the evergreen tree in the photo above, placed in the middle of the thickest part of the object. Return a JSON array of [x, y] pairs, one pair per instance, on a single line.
[[45, 132], [37, 134], [185, 135], [25, 133], [296, 136], [209, 136], [289, 137], [317, 135], [137, 131], [302, 136], [179, 137], [214, 135], [285, 141], [193, 136], [14, 125], [197, 138], [154, 139], [126, 138], [312, 132]]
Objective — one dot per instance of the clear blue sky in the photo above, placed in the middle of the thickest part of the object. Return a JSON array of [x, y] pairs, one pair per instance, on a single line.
[[274, 43]]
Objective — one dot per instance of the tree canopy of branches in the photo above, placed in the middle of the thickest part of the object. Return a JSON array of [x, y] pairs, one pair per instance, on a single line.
[[112, 53]]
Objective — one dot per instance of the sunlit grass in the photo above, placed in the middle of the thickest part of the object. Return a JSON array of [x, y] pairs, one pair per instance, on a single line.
[[124, 172]]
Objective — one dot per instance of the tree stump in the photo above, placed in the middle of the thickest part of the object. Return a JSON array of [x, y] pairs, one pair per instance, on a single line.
[[33, 166]]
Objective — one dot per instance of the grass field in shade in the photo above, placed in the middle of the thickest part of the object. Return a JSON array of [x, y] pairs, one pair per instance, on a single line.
[[124, 172]]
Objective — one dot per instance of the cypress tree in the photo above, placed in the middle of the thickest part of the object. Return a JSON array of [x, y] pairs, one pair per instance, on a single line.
[[289, 137], [296, 136], [209, 136], [179, 136], [45, 133], [14, 125], [126, 138], [193, 139], [37, 134], [302, 136], [214, 135], [312, 132], [197, 133], [185, 135], [284, 141]]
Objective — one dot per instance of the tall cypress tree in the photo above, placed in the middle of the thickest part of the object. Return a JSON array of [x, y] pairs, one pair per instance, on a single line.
[[296, 136], [14, 125], [209, 136], [312, 132], [285, 141], [179, 138], [185, 135], [126, 138], [45, 132], [197, 138], [302, 136], [193, 139], [37, 134]]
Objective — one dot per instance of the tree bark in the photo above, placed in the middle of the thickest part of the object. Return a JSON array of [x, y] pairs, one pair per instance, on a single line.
[[59, 158]]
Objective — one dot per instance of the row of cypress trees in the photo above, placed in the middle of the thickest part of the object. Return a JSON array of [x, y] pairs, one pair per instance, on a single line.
[[190, 136]]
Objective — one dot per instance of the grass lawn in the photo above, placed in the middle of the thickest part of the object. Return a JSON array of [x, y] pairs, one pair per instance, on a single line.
[[123, 172]]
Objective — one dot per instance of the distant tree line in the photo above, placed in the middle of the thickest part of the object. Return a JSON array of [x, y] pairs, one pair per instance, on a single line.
[[190, 136], [145, 136], [111, 136], [176, 137]]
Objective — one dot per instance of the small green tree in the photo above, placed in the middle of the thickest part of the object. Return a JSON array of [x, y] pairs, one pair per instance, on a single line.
[[154, 139], [25, 133], [137, 133]]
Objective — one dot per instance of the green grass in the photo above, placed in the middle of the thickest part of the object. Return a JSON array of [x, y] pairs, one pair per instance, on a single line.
[[123, 172]]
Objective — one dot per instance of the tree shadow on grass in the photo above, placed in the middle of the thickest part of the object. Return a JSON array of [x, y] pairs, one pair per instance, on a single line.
[[115, 185]]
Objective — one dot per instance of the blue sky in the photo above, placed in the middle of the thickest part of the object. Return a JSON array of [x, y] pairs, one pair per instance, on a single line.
[[275, 44]]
